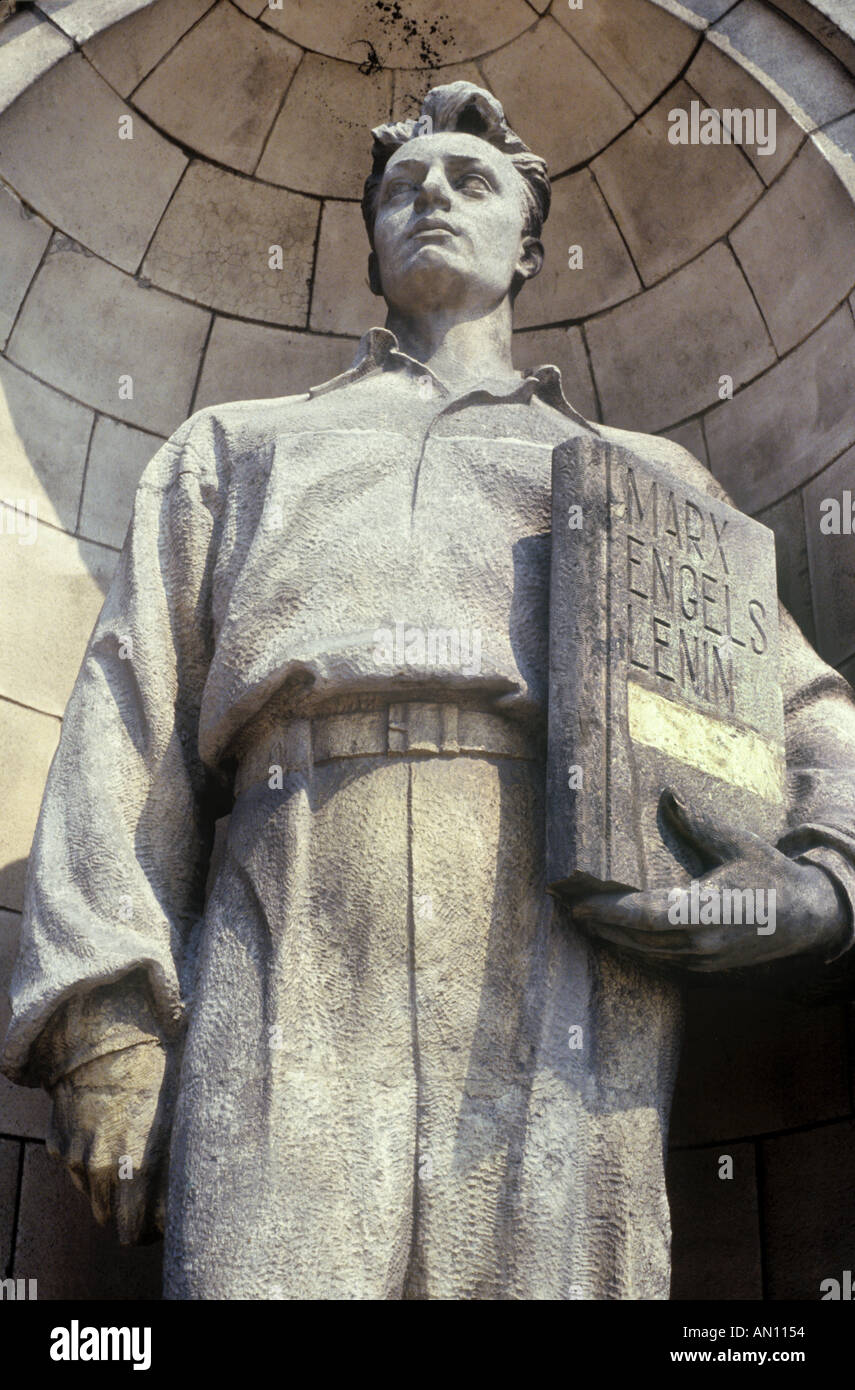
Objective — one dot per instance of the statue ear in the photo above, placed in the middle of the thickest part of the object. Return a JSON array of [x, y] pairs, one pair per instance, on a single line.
[[374, 275], [531, 256]]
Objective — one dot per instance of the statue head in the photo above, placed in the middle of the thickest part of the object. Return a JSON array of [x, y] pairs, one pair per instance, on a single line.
[[454, 205]]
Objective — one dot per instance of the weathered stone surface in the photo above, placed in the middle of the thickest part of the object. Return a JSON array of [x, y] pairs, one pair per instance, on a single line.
[[246, 361], [832, 556], [847, 670], [368, 33], [60, 1245], [715, 1247], [23, 237], [752, 1063], [707, 308], [214, 246], [800, 67], [689, 194], [24, 1110], [43, 442], [787, 520], [9, 1163], [691, 436], [117, 456], [81, 19], [343, 304], [65, 132], [37, 47], [27, 744], [808, 1213], [722, 82], [125, 53], [578, 217], [85, 325], [220, 87], [806, 219], [545, 71], [777, 430], [318, 144], [565, 347], [53, 590], [842, 132], [640, 49]]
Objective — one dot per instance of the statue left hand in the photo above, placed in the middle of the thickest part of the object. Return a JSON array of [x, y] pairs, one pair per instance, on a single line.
[[810, 913]]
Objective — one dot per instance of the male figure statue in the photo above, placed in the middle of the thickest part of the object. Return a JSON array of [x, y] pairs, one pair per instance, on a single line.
[[381, 1062]]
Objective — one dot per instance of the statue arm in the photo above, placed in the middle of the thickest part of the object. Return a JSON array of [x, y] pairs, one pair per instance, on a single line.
[[117, 869]]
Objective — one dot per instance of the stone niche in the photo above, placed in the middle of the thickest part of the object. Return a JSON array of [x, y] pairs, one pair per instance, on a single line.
[[179, 218]]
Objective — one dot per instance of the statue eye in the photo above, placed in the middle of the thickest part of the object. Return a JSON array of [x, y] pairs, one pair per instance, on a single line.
[[398, 186], [475, 183]]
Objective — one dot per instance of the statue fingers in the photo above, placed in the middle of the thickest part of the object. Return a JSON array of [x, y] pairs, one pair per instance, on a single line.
[[716, 841]]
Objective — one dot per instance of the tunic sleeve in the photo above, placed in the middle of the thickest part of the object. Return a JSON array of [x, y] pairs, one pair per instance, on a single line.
[[117, 870]]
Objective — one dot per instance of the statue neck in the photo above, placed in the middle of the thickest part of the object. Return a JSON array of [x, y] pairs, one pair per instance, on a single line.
[[460, 351]]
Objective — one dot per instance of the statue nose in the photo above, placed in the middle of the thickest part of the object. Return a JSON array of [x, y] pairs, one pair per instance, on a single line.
[[434, 192]]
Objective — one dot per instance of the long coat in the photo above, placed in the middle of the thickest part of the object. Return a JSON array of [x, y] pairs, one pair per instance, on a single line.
[[403, 1072]]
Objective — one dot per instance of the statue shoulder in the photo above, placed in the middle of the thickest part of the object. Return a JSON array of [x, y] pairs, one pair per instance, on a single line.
[[668, 454]]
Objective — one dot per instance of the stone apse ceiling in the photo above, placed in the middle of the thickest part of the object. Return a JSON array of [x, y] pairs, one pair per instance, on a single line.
[[150, 257]]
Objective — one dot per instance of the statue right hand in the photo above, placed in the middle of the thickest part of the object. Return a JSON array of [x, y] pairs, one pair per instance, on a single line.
[[110, 1126]]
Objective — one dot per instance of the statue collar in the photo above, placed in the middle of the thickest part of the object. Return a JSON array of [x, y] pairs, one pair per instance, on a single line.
[[378, 350]]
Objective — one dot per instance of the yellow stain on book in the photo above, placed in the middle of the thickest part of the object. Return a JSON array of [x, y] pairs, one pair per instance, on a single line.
[[738, 756]]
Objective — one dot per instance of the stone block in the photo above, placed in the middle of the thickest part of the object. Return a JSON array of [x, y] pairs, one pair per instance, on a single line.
[[578, 217], [53, 590], [423, 36], [779, 429], [565, 349], [60, 148], [787, 520], [37, 47], [320, 141], [117, 457], [545, 70], [807, 1209], [691, 436], [832, 557], [715, 1247], [126, 53], [842, 133], [60, 1244], [220, 88], [43, 442], [23, 237], [805, 222], [640, 49], [94, 332], [9, 1165], [82, 19], [671, 201], [753, 1064], [24, 1110], [214, 246], [722, 82], [708, 310], [246, 361], [27, 744], [795, 61], [343, 302]]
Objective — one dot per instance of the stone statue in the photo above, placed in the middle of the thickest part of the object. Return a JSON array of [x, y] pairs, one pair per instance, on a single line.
[[380, 1061]]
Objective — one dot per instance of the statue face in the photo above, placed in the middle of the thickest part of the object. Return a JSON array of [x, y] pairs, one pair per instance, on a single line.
[[449, 226]]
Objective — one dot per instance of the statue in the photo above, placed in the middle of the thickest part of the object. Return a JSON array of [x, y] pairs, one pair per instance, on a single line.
[[381, 1061]]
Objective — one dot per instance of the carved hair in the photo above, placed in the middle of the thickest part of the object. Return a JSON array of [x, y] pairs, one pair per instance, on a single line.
[[461, 106]]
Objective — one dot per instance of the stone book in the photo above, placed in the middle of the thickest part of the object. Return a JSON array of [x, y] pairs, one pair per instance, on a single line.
[[663, 670]]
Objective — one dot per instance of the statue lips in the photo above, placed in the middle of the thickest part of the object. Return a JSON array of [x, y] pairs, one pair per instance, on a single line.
[[431, 227]]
